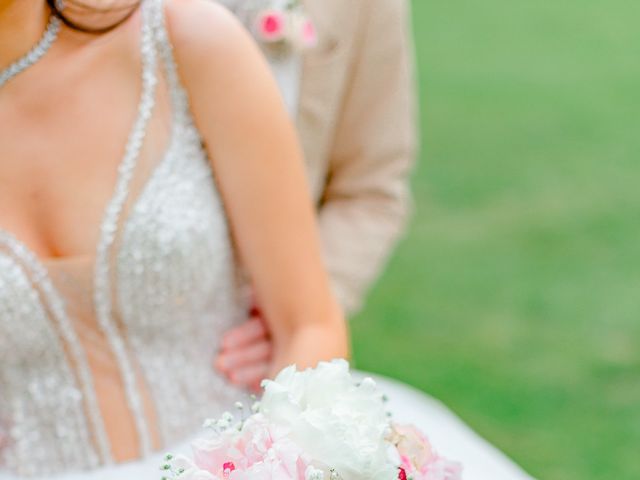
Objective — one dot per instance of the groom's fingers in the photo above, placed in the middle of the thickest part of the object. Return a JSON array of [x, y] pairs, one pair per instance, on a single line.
[[258, 353], [247, 333], [250, 377]]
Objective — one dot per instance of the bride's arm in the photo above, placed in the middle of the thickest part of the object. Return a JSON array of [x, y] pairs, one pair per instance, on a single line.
[[258, 165]]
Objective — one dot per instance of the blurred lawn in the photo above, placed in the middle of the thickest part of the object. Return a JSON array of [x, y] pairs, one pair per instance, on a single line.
[[516, 297]]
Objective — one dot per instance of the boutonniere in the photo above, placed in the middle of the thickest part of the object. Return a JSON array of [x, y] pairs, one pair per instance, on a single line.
[[285, 27]]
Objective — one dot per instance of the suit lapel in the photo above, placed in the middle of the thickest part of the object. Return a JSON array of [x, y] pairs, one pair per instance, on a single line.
[[323, 81]]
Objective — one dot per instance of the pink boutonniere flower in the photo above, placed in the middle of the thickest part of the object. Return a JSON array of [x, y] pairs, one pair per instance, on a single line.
[[271, 26], [309, 34], [286, 27]]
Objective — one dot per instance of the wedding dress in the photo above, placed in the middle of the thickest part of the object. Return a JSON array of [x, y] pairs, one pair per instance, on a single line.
[[131, 333]]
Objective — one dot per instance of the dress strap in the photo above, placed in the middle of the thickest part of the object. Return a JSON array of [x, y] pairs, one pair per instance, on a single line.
[[179, 98], [103, 295]]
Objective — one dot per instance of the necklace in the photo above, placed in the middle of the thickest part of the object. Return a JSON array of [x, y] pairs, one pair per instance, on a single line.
[[36, 53]]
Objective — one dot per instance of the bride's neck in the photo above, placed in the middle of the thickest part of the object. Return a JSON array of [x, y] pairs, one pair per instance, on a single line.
[[22, 23]]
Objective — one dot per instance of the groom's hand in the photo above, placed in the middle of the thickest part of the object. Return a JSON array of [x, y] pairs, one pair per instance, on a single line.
[[245, 353]]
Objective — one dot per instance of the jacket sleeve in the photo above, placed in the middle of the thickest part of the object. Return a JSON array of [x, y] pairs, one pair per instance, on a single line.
[[366, 201]]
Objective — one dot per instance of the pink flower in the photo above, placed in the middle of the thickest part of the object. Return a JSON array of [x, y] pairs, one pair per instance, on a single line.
[[418, 460], [440, 469], [258, 451], [414, 448], [271, 26], [309, 34], [227, 468]]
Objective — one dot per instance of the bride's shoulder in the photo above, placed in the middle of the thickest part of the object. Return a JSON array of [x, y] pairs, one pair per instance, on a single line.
[[199, 18], [203, 32], [218, 62]]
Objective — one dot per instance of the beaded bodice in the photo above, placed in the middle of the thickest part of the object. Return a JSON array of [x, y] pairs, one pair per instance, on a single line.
[[141, 319]]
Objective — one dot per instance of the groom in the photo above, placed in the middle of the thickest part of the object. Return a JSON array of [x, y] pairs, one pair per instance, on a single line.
[[355, 118]]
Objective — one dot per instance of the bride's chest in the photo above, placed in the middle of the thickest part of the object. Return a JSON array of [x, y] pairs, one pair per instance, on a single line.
[[170, 258], [61, 142]]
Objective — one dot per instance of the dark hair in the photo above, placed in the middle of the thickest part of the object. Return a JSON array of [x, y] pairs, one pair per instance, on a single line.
[[80, 9]]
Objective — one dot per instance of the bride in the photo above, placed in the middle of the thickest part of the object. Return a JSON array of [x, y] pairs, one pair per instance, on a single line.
[[121, 145], [149, 175]]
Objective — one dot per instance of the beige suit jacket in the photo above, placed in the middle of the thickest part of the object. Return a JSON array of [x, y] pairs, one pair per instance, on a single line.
[[356, 121]]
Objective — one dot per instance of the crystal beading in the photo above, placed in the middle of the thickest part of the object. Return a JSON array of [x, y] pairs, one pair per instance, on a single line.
[[35, 54]]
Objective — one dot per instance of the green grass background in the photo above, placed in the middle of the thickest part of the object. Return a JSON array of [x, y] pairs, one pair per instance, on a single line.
[[515, 297]]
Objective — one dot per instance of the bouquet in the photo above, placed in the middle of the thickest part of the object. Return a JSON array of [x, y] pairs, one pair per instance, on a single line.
[[316, 424]]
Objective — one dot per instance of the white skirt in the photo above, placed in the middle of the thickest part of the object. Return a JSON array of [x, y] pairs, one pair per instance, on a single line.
[[448, 434]]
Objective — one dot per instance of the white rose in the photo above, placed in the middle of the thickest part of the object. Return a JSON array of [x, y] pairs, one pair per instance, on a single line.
[[338, 423]]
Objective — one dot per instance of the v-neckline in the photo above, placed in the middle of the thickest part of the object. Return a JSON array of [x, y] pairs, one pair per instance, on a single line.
[[134, 141]]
